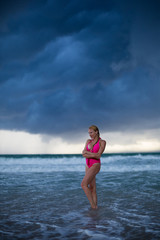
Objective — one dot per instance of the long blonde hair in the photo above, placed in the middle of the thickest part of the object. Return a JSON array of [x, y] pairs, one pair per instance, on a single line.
[[95, 128]]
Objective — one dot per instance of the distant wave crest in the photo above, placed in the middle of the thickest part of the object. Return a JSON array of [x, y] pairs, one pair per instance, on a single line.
[[52, 163]]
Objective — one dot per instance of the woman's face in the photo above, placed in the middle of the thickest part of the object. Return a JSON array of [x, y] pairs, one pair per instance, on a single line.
[[92, 133]]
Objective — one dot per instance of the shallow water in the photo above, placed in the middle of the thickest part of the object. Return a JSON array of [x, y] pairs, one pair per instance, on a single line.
[[52, 205]]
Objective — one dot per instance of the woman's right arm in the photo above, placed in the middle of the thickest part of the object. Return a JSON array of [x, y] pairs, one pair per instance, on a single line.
[[97, 155], [85, 148]]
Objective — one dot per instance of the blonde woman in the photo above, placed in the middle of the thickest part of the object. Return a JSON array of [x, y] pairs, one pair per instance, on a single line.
[[92, 152]]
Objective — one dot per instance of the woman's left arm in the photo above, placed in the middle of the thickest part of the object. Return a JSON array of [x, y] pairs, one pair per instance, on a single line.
[[97, 155]]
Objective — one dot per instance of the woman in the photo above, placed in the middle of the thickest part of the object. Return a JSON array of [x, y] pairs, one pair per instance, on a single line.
[[92, 152]]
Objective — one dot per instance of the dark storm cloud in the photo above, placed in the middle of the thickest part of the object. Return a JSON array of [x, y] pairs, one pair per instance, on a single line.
[[68, 64]]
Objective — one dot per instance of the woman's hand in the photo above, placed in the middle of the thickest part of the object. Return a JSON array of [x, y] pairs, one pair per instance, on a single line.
[[88, 154], [85, 153]]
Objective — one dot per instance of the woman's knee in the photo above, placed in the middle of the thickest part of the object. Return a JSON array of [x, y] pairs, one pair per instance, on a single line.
[[83, 184], [92, 188]]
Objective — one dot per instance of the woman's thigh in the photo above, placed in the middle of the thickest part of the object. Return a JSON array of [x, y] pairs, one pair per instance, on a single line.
[[91, 173], [87, 168], [93, 184]]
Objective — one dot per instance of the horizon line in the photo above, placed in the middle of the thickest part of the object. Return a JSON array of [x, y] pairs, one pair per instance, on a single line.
[[116, 153]]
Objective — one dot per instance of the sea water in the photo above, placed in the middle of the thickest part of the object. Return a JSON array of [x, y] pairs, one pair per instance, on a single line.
[[41, 197]]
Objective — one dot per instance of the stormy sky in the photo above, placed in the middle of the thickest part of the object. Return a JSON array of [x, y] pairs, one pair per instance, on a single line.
[[65, 65]]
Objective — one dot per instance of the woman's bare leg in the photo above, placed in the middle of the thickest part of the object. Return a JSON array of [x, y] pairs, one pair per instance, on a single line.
[[93, 190], [90, 175]]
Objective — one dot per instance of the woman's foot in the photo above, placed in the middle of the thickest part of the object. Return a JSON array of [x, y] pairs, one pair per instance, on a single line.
[[94, 206]]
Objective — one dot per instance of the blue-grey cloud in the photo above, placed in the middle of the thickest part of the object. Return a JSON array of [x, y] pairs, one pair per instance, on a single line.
[[66, 65]]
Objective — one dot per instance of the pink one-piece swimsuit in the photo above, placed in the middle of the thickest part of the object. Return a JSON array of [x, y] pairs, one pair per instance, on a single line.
[[91, 161]]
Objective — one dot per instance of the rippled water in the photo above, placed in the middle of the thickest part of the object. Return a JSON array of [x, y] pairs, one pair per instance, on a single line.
[[45, 204]]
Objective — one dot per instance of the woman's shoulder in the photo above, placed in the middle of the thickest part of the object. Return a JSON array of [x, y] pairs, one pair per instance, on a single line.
[[102, 141], [88, 140]]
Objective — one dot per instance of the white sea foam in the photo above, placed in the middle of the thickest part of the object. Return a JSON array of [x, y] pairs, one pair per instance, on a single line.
[[55, 163], [53, 205]]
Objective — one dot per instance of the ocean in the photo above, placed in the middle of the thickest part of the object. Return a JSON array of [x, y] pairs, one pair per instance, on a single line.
[[41, 198]]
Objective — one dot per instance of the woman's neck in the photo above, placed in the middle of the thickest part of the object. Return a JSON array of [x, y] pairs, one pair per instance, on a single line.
[[95, 139]]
